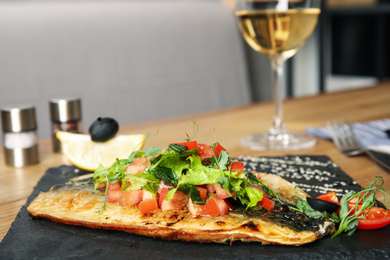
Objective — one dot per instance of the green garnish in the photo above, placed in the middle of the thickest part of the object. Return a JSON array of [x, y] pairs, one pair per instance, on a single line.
[[182, 169], [348, 218]]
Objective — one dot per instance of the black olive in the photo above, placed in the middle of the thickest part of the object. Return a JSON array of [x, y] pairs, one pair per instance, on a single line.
[[103, 129], [322, 205]]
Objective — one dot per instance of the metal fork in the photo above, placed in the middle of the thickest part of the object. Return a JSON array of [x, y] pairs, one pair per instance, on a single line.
[[346, 141], [344, 137]]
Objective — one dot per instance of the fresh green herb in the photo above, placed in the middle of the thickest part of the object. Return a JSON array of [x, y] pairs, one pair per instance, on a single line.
[[178, 148], [196, 129], [117, 171], [193, 193], [366, 199], [182, 169], [347, 219]]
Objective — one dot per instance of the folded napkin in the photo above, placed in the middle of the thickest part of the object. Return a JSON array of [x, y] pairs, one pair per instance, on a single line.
[[372, 135]]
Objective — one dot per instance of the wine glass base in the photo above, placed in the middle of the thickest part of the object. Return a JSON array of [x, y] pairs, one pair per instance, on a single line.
[[285, 141]]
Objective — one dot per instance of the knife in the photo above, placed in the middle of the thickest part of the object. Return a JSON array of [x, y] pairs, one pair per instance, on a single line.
[[382, 159]]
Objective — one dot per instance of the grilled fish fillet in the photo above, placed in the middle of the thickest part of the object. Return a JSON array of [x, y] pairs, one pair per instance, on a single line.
[[76, 203]]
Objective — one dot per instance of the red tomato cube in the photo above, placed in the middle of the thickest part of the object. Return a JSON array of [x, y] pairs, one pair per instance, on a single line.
[[148, 205]]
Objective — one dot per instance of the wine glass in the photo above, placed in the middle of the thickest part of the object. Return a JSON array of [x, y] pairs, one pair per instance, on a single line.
[[277, 29]]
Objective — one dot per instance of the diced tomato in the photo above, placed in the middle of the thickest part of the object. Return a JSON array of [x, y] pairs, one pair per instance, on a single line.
[[375, 218], [237, 167], [126, 198], [210, 188], [114, 195], [221, 192], [114, 191], [204, 151], [138, 165], [330, 196], [203, 192], [195, 209], [218, 148], [148, 205], [215, 207], [114, 186], [101, 186], [163, 192], [147, 195], [211, 207], [267, 203], [162, 185], [131, 198], [177, 202], [191, 145], [207, 151]]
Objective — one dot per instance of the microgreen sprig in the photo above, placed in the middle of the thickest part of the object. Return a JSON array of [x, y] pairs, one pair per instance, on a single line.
[[347, 219], [365, 200]]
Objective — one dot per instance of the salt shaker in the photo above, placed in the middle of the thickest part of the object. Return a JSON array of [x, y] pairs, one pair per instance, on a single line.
[[65, 115], [20, 136]]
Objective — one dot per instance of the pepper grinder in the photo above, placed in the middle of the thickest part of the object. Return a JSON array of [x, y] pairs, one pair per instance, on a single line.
[[20, 136], [65, 115]]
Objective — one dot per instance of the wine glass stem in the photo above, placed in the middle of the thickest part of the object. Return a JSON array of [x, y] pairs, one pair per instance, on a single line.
[[277, 64]]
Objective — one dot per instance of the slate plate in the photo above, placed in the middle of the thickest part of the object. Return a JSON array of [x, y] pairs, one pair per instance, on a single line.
[[30, 238]]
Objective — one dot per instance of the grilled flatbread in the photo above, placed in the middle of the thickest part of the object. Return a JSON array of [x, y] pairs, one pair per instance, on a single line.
[[76, 203]]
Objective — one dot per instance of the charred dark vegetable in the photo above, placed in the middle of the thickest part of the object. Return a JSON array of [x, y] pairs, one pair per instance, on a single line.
[[103, 129], [322, 205]]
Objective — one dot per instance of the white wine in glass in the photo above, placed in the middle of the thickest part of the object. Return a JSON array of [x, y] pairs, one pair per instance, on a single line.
[[277, 29]]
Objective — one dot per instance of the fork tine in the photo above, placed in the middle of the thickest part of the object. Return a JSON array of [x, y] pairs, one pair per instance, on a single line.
[[347, 130], [344, 137], [352, 136], [334, 133]]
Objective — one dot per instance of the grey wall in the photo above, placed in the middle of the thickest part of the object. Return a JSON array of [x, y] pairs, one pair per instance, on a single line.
[[131, 60]]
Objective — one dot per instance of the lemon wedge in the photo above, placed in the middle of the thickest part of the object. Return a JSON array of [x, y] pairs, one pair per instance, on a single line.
[[86, 154]]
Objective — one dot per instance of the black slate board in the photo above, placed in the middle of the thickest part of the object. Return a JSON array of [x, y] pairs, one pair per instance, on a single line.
[[30, 238]]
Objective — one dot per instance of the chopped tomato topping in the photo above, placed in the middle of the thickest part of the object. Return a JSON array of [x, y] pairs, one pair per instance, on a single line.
[[222, 193], [215, 207], [203, 192], [114, 186], [126, 198], [237, 167], [131, 198], [138, 165], [147, 195], [210, 188], [177, 202], [207, 151], [163, 192], [191, 145], [113, 195], [148, 205], [195, 209], [267, 203]]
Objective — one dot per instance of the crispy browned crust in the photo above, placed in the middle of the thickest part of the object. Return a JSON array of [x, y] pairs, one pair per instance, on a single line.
[[78, 207]]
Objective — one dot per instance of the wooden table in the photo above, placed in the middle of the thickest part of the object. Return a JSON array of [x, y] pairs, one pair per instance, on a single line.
[[227, 126]]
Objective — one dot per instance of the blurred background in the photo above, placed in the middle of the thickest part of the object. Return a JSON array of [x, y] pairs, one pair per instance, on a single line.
[[143, 60]]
